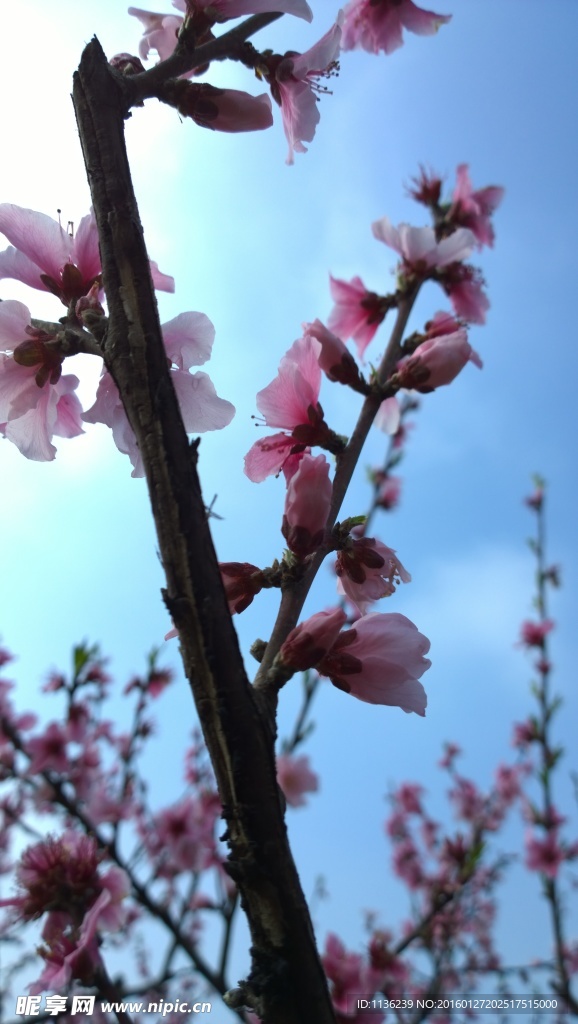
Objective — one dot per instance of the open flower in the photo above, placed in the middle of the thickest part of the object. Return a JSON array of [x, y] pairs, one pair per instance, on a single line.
[[35, 401], [376, 25], [43, 255], [419, 248], [357, 312], [294, 86], [380, 661], [473, 209], [367, 571], [290, 401], [188, 342], [60, 877]]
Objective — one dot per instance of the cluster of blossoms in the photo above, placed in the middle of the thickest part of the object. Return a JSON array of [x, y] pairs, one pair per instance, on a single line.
[[82, 883], [293, 78], [382, 658], [37, 402]]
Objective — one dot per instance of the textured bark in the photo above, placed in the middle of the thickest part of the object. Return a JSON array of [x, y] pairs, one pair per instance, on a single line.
[[286, 984]]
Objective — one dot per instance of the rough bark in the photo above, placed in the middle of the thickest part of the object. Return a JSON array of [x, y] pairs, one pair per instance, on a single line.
[[286, 984]]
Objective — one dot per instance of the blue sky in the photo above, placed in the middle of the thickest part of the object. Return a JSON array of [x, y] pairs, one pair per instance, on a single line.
[[251, 242]]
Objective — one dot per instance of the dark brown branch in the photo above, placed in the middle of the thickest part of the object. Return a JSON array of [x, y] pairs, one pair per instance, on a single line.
[[286, 984], [229, 45]]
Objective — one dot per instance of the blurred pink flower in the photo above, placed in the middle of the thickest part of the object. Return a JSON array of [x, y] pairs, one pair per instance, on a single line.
[[533, 634], [388, 491], [307, 504], [464, 285], [357, 312], [48, 751], [376, 25], [380, 661], [544, 855], [296, 779], [188, 342], [43, 255], [473, 209], [294, 85]]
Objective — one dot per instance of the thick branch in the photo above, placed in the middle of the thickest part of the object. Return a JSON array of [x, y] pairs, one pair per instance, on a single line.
[[286, 984]]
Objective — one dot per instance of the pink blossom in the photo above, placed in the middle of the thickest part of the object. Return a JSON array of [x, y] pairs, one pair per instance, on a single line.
[[524, 733], [468, 800], [161, 30], [451, 751], [464, 285], [290, 401], [473, 209], [388, 417], [357, 312], [45, 256], [388, 491], [367, 571], [307, 504], [380, 661], [437, 362], [294, 85], [408, 796], [188, 340], [222, 110], [35, 401], [31, 415], [61, 874], [336, 362], [508, 782], [544, 855], [427, 188], [350, 978], [242, 581], [536, 499], [407, 865], [296, 779], [419, 248], [533, 634], [376, 25], [183, 836], [48, 752], [312, 640]]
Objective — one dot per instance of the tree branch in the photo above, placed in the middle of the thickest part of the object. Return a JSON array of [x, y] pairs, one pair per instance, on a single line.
[[286, 984]]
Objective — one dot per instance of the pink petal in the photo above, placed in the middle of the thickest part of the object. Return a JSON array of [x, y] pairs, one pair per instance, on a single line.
[[188, 339], [39, 237], [201, 407], [423, 23], [384, 231], [14, 319], [238, 8], [16, 265], [163, 282], [86, 251], [267, 456]]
